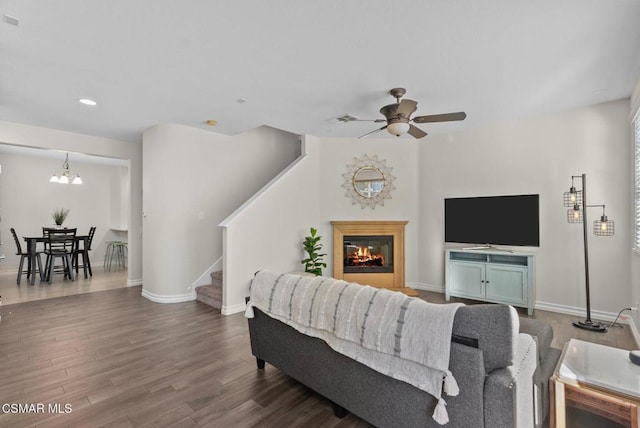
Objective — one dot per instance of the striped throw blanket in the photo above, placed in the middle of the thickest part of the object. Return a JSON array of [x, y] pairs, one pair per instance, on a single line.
[[400, 336]]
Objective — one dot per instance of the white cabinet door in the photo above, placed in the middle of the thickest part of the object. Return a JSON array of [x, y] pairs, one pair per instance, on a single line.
[[507, 284], [466, 279]]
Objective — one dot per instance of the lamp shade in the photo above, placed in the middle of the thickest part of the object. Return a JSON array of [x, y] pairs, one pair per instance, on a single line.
[[573, 197], [398, 128], [574, 215], [604, 227]]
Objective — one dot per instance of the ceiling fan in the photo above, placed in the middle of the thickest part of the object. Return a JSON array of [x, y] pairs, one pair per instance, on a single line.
[[398, 117]]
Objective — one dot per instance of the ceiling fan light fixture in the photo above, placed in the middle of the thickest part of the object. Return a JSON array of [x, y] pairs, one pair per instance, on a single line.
[[398, 128], [398, 117]]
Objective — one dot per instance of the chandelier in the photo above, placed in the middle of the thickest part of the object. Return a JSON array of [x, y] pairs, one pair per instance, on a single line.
[[65, 175]]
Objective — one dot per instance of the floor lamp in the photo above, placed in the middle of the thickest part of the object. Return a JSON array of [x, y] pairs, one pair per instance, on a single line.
[[577, 213]]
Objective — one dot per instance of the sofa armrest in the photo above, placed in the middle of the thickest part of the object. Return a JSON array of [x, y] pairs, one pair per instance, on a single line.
[[509, 400], [493, 327]]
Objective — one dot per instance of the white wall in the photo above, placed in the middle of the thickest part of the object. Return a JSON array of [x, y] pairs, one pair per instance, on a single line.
[[634, 256], [540, 155], [193, 179], [119, 197], [28, 198], [33, 136], [267, 233], [399, 154], [536, 155]]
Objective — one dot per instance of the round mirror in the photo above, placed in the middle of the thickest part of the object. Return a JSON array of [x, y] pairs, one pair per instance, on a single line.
[[368, 181]]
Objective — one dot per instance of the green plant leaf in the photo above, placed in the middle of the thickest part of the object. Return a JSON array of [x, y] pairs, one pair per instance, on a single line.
[[313, 263]]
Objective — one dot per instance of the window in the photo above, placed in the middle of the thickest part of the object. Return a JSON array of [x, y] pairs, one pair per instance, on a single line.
[[636, 133]]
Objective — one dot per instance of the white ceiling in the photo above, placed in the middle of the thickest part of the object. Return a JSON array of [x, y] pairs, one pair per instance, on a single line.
[[300, 64]]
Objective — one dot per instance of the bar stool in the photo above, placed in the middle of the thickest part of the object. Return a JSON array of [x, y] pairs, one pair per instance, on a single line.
[[116, 251]]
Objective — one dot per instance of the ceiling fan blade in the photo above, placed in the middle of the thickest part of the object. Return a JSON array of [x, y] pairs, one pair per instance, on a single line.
[[406, 107], [446, 117], [416, 132], [372, 132]]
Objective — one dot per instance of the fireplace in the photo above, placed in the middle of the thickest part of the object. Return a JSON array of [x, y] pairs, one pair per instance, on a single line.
[[367, 253], [371, 253]]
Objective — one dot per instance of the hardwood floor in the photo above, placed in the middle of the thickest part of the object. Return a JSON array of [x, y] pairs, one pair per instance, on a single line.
[[618, 336], [119, 359], [114, 358], [25, 292]]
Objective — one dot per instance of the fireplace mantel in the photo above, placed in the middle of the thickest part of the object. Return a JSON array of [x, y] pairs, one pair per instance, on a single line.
[[392, 280]]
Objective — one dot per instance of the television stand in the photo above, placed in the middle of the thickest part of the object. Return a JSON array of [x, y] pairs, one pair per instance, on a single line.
[[488, 247], [491, 276]]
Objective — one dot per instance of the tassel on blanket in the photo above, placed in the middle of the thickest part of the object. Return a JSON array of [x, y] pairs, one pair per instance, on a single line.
[[450, 385], [248, 313], [440, 414]]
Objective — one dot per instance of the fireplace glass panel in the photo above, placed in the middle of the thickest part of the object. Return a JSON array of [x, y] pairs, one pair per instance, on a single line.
[[368, 254]]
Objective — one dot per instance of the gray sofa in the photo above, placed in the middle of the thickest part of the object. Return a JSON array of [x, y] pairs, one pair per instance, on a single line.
[[502, 373]]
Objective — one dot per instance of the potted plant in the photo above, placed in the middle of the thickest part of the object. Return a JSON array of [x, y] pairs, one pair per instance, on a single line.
[[59, 215], [314, 263]]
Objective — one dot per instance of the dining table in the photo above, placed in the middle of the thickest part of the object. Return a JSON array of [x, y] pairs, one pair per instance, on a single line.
[[32, 243]]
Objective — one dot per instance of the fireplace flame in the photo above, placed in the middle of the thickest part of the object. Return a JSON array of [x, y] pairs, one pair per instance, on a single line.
[[362, 256]]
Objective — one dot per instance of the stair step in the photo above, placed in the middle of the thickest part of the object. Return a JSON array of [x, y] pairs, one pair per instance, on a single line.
[[216, 277], [211, 294]]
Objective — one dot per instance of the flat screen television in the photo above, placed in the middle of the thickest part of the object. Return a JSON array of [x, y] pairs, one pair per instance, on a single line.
[[493, 220]]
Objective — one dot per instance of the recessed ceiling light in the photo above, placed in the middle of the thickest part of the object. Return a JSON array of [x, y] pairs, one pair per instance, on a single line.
[[211, 122], [87, 102]]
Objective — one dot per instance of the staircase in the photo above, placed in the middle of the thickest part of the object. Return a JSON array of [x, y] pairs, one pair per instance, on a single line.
[[211, 294]]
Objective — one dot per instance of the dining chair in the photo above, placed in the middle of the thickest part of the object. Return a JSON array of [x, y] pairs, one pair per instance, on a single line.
[[59, 243], [25, 255], [83, 250]]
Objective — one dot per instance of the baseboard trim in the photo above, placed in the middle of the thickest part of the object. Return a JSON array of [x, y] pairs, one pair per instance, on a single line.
[[580, 312], [172, 298], [634, 331], [134, 282], [233, 309], [426, 287]]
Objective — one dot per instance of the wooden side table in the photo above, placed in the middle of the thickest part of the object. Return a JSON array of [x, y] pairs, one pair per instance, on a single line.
[[596, 378]]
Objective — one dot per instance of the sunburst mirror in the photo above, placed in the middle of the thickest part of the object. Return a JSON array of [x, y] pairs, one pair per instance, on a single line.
[[368, 181]]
